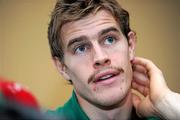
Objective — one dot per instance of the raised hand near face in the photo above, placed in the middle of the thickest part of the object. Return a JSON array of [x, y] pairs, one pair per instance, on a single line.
[[159, 99]]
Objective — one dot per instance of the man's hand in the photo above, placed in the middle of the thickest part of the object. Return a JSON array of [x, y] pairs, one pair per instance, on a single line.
[[159, 99]]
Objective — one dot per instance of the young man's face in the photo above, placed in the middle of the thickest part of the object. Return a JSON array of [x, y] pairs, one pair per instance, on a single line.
[[97, 58]]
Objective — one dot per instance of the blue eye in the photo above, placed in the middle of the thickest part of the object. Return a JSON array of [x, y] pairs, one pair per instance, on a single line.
[[81, 49], [109, 41]]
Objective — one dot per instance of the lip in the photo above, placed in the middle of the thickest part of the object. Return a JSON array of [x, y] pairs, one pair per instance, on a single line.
[[112, 72]]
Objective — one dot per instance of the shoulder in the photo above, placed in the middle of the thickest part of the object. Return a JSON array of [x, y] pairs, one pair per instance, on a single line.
[[71, 110], [66, 111], [153, 118]]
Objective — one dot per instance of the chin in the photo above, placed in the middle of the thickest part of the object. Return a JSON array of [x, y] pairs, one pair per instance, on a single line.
[[112, 98]]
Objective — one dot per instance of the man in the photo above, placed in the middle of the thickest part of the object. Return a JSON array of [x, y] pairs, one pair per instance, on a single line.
[[93, 46]]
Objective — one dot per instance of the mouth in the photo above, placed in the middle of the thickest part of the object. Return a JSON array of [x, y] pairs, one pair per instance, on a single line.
[[106, 77]]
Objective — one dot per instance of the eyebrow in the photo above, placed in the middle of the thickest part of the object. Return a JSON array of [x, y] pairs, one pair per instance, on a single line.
[[82, 38], [104, 31], [76, 40]]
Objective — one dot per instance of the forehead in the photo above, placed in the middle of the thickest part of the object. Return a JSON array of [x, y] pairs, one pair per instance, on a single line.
[[88, 26]]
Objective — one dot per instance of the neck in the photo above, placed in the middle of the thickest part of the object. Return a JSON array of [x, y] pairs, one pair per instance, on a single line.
[[122, 111]]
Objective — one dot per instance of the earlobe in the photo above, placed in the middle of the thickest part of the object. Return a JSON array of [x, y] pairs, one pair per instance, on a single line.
[[132, 44], [61, 68]]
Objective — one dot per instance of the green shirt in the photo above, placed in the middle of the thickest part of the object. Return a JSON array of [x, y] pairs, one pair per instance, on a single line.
[[72, 111]]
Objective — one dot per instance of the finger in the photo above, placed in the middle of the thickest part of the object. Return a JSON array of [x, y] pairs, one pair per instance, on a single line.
[[141, 89], [158, 85], [143, 107], [139, 68], [151, 68], [136, 101], [154, 72], [141, 78]]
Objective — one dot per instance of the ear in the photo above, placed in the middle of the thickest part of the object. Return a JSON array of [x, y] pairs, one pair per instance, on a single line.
[[132, 44], [61, 67]]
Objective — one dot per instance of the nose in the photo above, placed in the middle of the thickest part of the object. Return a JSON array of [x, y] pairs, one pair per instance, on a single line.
[[101, 59]]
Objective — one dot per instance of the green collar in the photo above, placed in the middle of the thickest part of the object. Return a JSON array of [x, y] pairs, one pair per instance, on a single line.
[[78, 110], [80, 114], [73, 111]]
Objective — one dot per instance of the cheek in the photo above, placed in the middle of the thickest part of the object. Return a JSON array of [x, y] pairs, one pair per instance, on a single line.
[[78, 69], [75, 61], [121, 58], [79, 72], [120, 54]]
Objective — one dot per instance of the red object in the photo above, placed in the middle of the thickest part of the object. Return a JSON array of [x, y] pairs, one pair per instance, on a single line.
[[15, 92]]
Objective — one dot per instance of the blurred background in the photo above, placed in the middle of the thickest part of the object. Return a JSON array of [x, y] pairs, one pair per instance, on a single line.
[[25, 54]]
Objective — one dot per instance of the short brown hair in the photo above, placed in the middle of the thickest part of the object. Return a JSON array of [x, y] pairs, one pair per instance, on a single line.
[[72, 10]]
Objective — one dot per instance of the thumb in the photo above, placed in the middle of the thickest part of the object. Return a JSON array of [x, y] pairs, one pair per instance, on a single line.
[[143, 106], [136, 102]]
